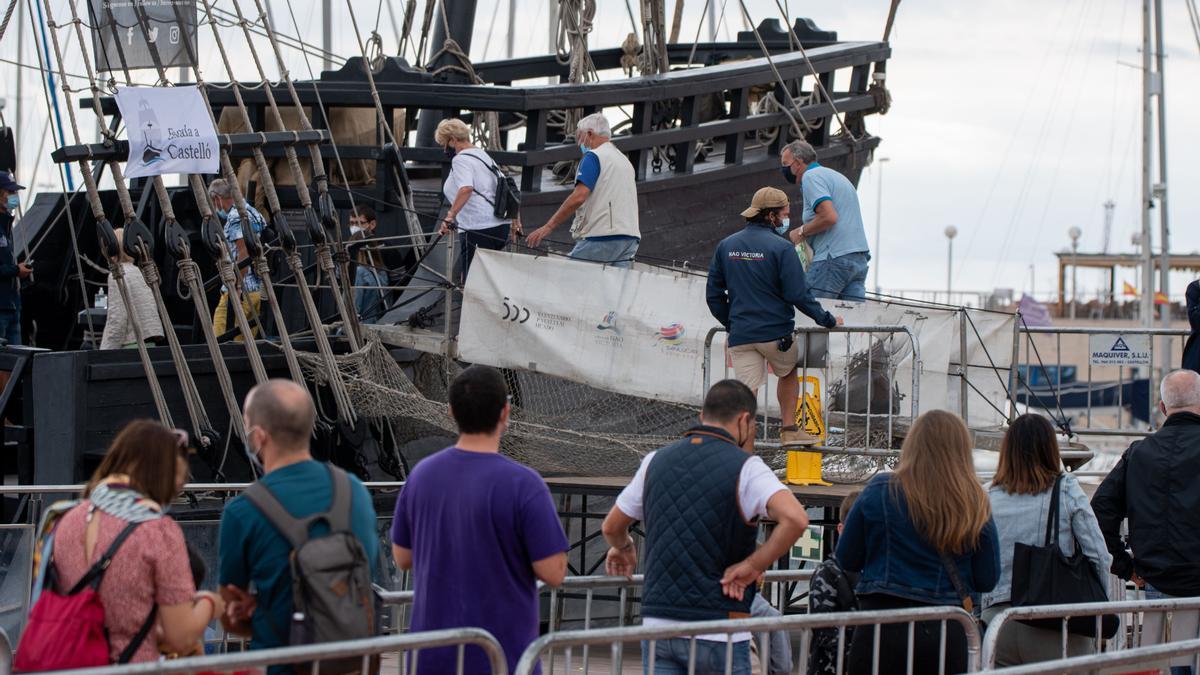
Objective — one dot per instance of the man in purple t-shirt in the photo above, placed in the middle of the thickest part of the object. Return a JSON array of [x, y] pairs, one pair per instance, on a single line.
[[478, 530]]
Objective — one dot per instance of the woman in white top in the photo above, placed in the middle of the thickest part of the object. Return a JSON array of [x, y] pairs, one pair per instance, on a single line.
[[118, 325], [471, 191]]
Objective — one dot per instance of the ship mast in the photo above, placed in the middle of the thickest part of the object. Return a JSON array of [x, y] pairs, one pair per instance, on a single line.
[[1153, 97]]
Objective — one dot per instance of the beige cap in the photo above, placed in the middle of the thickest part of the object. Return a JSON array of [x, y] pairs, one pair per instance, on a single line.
[[766, 198]]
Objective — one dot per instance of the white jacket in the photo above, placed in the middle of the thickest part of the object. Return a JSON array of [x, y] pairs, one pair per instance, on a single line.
[[118, 326]]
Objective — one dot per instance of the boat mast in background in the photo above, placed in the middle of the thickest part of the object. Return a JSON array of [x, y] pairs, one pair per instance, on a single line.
[[1147, 304], [1160, 189], [1153, 97], [326, 34]]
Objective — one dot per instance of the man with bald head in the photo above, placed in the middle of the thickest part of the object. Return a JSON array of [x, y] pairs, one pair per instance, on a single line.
[[1156, 485], [279, 417]]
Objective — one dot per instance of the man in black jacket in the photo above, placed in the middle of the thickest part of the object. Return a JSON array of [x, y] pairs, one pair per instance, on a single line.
[[11, 272], [1155, 486], [1191, 349]]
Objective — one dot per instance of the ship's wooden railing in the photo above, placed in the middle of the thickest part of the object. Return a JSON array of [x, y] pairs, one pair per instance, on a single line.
[[671, 109]]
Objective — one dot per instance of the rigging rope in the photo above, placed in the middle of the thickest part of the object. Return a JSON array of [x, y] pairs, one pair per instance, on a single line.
[[403, 189], [225, 264], [189, 271], [253, 244], [8, 17], [316, 230], [107, 238], [139, 243], [801, 125], [328, 215], [818, 84]]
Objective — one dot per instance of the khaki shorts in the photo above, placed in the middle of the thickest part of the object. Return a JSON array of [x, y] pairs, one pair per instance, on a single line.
[[748, 361]]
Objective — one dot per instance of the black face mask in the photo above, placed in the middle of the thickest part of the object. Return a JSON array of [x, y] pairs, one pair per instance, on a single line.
[[788, 175], [449, 152]]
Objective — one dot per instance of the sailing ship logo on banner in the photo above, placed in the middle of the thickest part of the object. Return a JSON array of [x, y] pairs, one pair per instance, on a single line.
[[170, 131]]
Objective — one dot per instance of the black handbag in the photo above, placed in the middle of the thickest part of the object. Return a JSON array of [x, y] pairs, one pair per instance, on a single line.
[[508, 196], [1042, 575]]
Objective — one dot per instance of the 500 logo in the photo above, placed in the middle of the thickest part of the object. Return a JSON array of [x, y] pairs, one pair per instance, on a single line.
[[514, 313]]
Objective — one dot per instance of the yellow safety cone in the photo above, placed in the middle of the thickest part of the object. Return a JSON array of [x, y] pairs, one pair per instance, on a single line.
[[803, 463], [804, 468]]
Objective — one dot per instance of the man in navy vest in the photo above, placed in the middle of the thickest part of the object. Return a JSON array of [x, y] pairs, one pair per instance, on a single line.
[[700, 499]]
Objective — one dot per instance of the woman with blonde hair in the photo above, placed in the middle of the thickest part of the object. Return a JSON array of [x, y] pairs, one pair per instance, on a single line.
[[921, 536], [471, 190], [119, 320], [1029, 474]]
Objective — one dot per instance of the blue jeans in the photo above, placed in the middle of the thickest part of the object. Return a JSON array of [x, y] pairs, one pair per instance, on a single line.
[[840, 278], [615, 252], [10, 326], [368, 297], [671, 657]]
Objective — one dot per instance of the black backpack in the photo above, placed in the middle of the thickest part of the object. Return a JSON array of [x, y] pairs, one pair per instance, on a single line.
[[332, 595], [508, 196]]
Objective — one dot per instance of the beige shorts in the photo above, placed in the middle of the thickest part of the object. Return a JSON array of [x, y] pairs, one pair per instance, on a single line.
[[748, 361]]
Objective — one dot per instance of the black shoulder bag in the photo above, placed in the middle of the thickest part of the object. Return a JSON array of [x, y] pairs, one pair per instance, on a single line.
[[508, 196], [1042, 575]]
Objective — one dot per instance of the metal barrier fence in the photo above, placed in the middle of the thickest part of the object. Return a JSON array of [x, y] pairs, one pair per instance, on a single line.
[[614, 639], [860, 365], [1141, 621], [1044, 386], [1140, 656], [775, 585], [400, 645]]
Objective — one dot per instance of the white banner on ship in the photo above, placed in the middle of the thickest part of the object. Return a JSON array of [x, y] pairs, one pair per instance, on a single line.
[[641, 332], [170, 131]]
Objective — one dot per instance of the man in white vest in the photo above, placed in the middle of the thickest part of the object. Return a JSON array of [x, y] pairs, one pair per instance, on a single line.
[[604, 201]]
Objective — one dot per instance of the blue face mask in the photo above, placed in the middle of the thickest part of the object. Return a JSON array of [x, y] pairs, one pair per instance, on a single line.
[[784, 226], [223, 214], [12, 203], [583, 148], [788, 174]]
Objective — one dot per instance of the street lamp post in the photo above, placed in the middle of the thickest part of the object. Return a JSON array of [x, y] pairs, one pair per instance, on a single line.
[[1074, 234], [878, 222], [950, 232]]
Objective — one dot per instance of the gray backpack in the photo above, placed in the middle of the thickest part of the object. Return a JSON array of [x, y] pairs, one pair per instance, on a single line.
[[332, 595]]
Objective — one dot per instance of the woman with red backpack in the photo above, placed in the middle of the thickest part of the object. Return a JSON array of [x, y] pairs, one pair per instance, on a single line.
[[118, 566]]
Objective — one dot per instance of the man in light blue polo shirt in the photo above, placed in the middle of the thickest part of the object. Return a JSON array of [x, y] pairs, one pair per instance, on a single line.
[[832, 224]]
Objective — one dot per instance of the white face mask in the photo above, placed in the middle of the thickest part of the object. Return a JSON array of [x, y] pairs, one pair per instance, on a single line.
[[354, 229]]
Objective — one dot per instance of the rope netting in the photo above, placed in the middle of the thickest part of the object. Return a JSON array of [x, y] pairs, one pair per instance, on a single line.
[[558, 427]]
